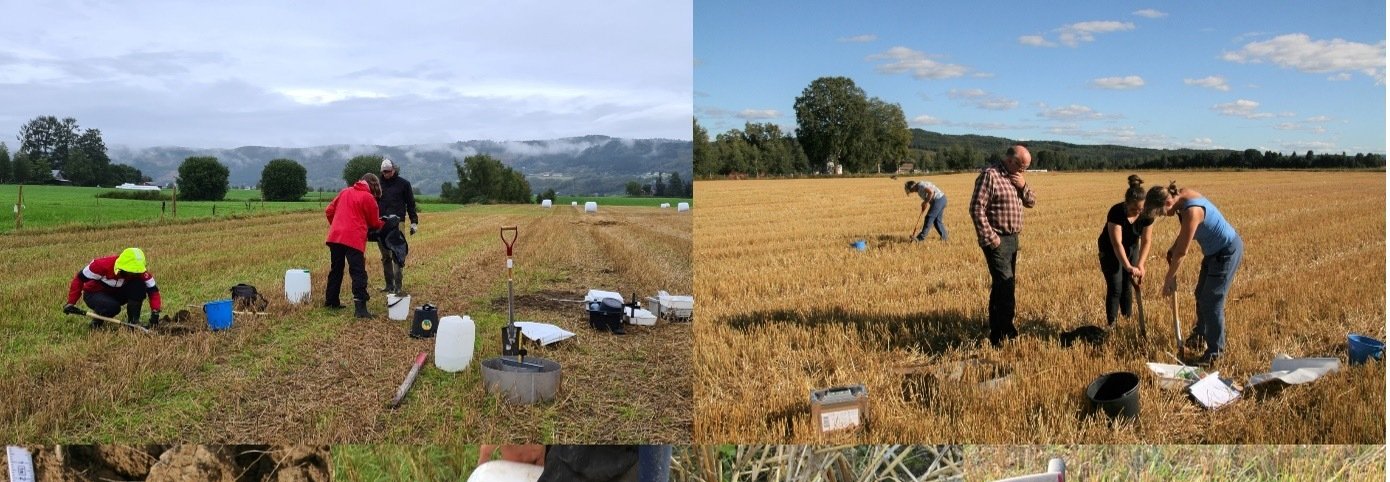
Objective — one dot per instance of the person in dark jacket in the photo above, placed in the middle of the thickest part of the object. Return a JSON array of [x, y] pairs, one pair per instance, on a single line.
[[398, 198], [350, 215], [109, 283]]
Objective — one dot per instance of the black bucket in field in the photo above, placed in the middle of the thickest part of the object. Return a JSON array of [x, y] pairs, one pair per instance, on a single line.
[[1116, 393]]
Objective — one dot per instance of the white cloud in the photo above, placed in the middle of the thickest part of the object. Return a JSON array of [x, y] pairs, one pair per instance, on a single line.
[[1340, 77], [967, 93], [288, 74], [1241, 108], [1076, 33], [1317, 146], [311, 96], [1119, 83], [756, 114], [1118, 135], [859, 38], [1214, 82], [1300, 52], [1150, 13], [926, 120], [1035, 41], [1311, 124], [1071, 112], [1202, 141], [981, 99], [905, 60]]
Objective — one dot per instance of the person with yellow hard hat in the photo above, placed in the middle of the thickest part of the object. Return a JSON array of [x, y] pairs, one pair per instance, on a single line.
[[106, 284]]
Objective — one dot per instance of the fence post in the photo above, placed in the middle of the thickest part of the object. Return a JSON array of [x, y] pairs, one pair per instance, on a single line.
[[19, 209], [176, 202]]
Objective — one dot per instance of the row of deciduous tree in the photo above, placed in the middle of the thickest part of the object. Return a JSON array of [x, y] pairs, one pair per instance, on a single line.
[[671, 186], [483, 179], [838, 123], [48, 144]]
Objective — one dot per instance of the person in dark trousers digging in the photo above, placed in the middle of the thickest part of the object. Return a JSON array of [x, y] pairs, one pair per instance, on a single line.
[[933, 205], [350, 215], [109, 283], [398, 198], [996, 208], [1123, 245]]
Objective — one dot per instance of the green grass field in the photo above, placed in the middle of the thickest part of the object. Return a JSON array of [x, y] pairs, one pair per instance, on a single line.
[[47, 207], [621, 200], [365, 463]]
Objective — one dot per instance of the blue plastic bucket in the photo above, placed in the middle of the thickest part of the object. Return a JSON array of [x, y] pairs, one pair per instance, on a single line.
[[219, 314], [1363, 348], [859, 245]]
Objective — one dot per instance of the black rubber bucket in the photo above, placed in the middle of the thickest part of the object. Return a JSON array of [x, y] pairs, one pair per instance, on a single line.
[[1116, 393]]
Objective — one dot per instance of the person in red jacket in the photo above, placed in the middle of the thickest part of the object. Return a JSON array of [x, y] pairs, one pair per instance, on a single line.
[[107, 284], [350, 215]]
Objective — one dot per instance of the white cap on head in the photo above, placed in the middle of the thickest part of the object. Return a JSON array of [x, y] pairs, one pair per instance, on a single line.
[[387, 165]]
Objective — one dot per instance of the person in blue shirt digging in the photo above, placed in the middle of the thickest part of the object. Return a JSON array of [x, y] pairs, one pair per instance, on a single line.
[[933, 205], [1222, 250]]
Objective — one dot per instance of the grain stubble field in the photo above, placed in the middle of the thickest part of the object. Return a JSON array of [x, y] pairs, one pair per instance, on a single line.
[[788, 307]]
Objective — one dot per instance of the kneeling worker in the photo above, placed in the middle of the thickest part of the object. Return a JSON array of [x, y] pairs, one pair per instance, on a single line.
[[109, 283]]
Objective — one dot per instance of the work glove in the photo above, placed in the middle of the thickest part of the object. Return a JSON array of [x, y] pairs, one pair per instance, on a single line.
[[71, 309], [413, 228], [154, 318], [133, 319]]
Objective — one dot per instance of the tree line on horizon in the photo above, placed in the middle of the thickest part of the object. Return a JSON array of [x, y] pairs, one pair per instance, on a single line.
[[48, 144], [839, 126]]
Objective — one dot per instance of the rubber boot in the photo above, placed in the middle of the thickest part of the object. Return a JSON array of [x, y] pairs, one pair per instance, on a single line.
[[361, 309]]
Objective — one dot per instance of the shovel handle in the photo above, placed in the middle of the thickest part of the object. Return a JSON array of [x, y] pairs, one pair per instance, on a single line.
[[1177, 326], [508, 242], [1139, 296], [95, 316]]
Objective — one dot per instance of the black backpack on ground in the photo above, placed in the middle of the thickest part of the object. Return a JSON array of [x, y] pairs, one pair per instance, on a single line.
[[245, 298]]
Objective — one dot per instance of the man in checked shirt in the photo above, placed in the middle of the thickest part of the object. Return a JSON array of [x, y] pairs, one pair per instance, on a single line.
[[996, 207]]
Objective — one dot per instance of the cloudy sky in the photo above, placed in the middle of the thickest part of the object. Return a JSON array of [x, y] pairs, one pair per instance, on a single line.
[[304, 73], [1285, 76]]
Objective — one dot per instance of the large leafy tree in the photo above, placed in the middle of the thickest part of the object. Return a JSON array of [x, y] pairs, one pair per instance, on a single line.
[[5, 171], [359, 165], [21, 166], [202, 179], [483, 179], [832, 117], [888, 136], [703, 160], [283, 180]]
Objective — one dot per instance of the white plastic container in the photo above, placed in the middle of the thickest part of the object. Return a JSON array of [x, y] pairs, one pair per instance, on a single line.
[[453, 344], [675, 305], [641, 317], [665, 205], [297, 286], [506, 471], [574, 203], [398, 307], [599, 295], [545, 203], [682, 207], [590, 207]]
